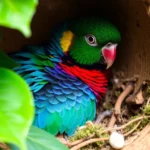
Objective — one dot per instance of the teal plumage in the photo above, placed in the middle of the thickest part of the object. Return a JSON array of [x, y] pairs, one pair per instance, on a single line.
[[63, 99], [62, 102]]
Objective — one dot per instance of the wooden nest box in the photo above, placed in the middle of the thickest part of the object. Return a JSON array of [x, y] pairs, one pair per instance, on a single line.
[[130, 16]]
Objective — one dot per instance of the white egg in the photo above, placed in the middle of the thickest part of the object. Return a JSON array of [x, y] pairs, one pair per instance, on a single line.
[[116, 140]]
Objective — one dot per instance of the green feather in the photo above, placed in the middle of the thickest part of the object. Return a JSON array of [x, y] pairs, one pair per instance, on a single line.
[[53, 128], [68, 120], [83, 53], [93, 110]]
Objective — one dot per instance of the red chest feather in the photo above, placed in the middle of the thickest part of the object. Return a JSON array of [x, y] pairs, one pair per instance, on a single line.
[[97, 80]]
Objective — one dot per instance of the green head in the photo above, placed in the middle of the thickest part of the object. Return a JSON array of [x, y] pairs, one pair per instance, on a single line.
[[90, 41]]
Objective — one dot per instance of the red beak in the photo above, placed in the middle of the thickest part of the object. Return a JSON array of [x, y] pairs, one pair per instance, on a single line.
[[109, 54]]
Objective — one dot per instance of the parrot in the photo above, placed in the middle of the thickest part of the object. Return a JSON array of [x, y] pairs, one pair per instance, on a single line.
[[68, 74]]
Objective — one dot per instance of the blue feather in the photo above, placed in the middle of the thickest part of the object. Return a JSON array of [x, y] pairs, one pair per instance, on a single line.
[[78, 93], [78, 82], [42, 97], [62, 101], [62, 128], [61, 84], [53, 100], [42, 119], [57, 87], [40, 92], [67, 106], [49, 90], [50, 108], [67, 83], [58, 107], [71, 96], [36, 87], [86, 98], [71, 103], [39, 110], [57, 92], [41, 104], [79, 99], [66, 91], [61, 98], [77, 106]]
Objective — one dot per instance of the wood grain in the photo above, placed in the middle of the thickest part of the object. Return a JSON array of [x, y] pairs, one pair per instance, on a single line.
[[142, 142], [134, 53]]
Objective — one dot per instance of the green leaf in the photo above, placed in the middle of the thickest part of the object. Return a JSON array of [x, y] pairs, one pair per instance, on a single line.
[[16, 108], [6, 61], [17, 14], [38, 139]]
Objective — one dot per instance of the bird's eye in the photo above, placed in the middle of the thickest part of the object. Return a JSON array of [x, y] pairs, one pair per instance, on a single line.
[[91, 40]]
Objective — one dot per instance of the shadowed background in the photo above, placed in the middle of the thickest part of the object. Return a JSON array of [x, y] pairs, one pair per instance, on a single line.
[[129, 16]]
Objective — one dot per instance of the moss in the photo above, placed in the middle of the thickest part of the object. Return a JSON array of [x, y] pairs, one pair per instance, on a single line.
[[97, 130], [131, 126], [117, 93], [107, 106], [147, 92], [88, 131], [143, 123], [146, 110]]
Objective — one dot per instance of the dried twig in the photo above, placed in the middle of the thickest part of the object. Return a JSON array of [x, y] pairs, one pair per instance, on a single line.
[[132, 79], [70, 144], [83, 142], [117, 109], [132, 139], [127, 124], [148, 101], [137, 97], [90, 141], [131, 131]]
